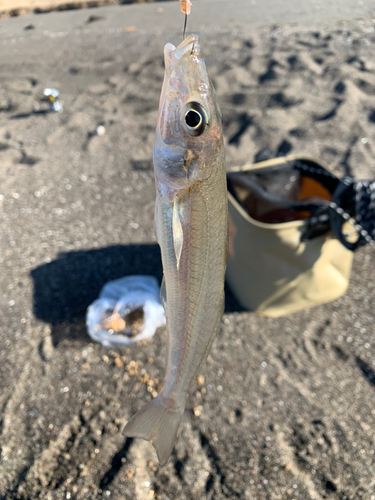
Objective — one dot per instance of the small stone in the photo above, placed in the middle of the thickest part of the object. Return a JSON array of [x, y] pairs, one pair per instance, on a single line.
[[198, 411], [129, 473], [144, 378], [151, 465], [100, 130], [232, 418], [119, 363]]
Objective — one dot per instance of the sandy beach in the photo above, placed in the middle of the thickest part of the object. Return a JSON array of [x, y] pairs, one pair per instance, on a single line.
[[286, 407], [14, 8]]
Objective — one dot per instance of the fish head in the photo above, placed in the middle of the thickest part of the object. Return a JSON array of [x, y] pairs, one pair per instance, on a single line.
[[188, 133]]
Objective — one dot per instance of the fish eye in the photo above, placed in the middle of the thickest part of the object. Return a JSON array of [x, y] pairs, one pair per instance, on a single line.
[[195, 119]]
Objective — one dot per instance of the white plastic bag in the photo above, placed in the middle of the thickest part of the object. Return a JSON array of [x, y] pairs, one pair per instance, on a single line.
[[128, 310]]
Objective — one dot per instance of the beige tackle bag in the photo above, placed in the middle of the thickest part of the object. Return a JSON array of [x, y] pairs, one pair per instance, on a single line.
[[292, 232]]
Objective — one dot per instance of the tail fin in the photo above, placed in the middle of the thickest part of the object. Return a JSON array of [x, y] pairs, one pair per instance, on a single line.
[[158, 424]]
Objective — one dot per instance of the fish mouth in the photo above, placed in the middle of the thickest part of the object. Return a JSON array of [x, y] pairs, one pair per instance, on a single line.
[[188, 46], [190, 40]]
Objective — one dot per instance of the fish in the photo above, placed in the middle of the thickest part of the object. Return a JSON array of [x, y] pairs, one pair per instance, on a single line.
[[191, 229]]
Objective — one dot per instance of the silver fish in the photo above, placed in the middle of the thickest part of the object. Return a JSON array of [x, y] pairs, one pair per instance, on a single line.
[[191, 228]]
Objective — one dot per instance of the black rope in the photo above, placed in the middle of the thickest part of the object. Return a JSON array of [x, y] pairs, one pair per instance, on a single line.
[[353, 201]]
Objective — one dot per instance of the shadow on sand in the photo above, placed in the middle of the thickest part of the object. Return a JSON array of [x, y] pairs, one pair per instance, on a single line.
[[65, 287]]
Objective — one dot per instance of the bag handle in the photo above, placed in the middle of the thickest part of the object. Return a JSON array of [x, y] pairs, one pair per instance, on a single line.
[[358, 198], [352, 201]]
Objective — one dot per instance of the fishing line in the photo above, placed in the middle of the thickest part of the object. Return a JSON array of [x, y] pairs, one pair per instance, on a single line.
[[184, 32]]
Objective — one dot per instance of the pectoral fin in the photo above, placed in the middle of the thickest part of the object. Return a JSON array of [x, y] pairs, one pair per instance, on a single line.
[[178, 235]]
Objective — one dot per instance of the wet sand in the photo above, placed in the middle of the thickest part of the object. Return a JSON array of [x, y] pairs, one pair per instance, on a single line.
[[287, 406]]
